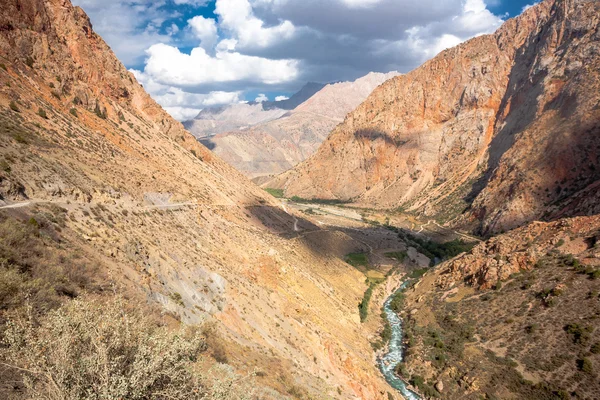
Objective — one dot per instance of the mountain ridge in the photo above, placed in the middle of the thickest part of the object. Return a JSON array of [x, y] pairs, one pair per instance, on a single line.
[[276, 145], [431, 140]]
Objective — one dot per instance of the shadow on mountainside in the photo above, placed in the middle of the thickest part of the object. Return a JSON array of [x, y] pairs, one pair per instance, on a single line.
[[521, 103], [208, 143]]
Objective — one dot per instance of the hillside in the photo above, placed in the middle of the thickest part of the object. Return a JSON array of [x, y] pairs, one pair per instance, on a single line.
[[104, 194], [277, 145], [516, 318], [498, 131]]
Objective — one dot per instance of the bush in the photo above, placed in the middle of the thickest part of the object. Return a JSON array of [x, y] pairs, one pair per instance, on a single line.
[[581, 334], [42, 113], [73, 112], [585, 365], [13, 106], [3, 67], [91, 350], [29, 62], [363, 307]]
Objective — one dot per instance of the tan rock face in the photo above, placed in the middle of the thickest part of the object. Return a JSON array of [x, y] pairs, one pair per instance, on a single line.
[[164, 216], [279, 144], [504, 125]]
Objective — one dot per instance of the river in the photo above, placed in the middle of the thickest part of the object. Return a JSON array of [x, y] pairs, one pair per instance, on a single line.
[[393, 357]]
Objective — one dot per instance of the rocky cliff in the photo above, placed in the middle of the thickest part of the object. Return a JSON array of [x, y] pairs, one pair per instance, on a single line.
[[275, 146], [91, 163], [500, 130]]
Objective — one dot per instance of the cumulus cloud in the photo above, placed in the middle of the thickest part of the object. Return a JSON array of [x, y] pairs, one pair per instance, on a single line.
[[180, 104], [190, 59], [237, 17], [261, 98], [198, 70], [204, 29], [281, 98]]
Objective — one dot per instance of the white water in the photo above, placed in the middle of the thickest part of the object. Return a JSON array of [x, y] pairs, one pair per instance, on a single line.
[[394, 356]]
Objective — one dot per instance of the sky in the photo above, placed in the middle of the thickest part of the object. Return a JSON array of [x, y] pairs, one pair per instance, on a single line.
[[191, 54]]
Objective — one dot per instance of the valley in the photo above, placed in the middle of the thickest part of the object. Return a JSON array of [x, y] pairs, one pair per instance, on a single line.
[[430, 234]]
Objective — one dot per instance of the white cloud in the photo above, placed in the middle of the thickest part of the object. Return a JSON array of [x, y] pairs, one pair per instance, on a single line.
[[167, 65], [236, 16], [261, 98], [276, 45], [281, 98], [180, 104], [204, 29]]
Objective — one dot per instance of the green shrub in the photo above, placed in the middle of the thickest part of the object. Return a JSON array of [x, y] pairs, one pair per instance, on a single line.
[[29, 62], [581, 334], [3, 67], [363, 307], [88, 350], [5, 166], [585, 365], [73, 112], [176, 297], [42, 113], [595, 349], [13, 106]]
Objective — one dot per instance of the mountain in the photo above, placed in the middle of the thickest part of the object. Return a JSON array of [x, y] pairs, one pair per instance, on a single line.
[[491, 134], [213, 120], [104, 195], [277, 145]]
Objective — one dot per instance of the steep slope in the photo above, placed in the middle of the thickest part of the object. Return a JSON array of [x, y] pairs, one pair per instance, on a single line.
[[232, 117], [516, 318], [91, 163], [503, 128], [278, 145]]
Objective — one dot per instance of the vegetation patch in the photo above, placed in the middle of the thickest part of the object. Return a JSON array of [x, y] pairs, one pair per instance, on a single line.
[[399, 256], [357, 260], [277, 193]]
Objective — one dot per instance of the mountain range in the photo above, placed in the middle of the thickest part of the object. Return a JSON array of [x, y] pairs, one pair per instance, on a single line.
[[266, 141]]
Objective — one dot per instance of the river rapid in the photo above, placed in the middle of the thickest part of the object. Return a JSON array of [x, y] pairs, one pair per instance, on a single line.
[[394, 356]]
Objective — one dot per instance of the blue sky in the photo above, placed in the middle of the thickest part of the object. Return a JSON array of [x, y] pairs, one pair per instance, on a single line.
[[190, 54]]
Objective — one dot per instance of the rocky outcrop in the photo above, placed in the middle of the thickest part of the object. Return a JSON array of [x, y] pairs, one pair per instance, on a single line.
[[278, 145], [502, 129]]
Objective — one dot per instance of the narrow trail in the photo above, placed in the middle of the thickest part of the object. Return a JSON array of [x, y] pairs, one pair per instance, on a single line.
[[19, 205], [469, 237], [291, 215]]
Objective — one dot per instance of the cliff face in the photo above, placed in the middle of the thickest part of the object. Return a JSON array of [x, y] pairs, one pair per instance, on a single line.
[[279, 144], [494, 127], [163, 216]]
